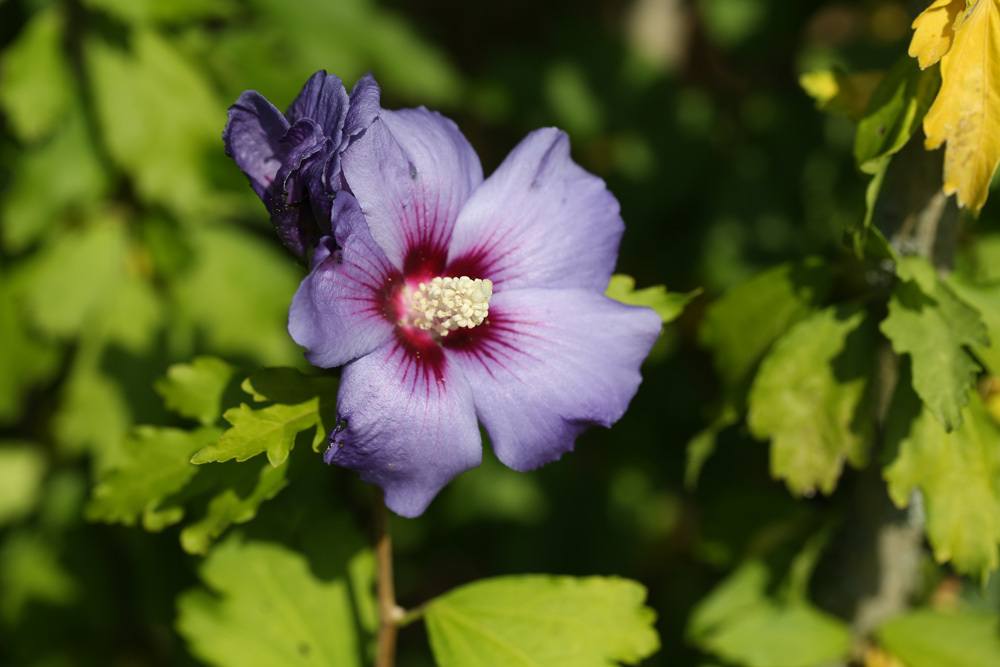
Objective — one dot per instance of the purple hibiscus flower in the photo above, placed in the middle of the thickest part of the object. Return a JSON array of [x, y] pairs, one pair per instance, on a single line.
[[452, 301], [293, 160]]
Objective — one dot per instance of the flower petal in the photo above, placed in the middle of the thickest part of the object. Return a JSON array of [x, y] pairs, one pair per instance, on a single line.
[[252, 137], [406, 423], [412, 171], [539, 220], [324, 100], [302, 150], [338, 312], [365, 106], [548, 364]]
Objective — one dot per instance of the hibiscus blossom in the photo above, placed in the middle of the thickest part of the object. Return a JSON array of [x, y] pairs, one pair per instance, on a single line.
[[452, 301], [293, 160]]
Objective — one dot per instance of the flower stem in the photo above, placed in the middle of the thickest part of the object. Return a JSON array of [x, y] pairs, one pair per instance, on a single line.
[[389, 613]]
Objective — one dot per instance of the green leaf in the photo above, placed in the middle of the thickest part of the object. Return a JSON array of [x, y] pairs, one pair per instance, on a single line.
[[701, 447], [93, 414], [542, 620], [985, 299], [300, 403], [931, 324], [24, 358], [235, 296], [57, 300], [668, 305], [155, 11], [229, 507], [896, 110], [154, 465], [22, 466], [30, 572], [739, 623], [37, 86], [170, 121], [741, 326], [195, 390], [267, 607], [958, 474], [808, 398], [42, 169], [926, 638]]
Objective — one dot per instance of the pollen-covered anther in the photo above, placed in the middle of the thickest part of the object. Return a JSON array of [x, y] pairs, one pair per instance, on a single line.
[[445, 304]]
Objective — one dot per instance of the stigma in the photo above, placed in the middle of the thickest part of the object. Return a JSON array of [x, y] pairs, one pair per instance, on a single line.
[[443, 305]]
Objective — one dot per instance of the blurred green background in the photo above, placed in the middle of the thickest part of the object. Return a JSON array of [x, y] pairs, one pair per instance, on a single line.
[[128, 242]]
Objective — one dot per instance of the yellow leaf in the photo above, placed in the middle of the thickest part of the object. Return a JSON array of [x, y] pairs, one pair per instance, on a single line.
[[840, 92], [934, 31], [966, 113]]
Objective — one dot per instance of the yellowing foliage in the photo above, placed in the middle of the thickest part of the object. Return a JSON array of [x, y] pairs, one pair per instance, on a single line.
[[934, 31], [965, 35]]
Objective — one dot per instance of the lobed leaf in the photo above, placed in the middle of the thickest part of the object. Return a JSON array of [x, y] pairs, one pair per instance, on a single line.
[[929, 322], [195, 389], [300, 403], [539, 620], [742, 625], [958, 475], [266, 607], [37, 86], [966, 113], [668, 305], [155, 465], [926, 638], [741, 326], [934, 31], [808, 398]]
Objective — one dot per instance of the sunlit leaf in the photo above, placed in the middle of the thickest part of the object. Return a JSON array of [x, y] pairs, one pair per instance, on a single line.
[[57, 300], [841, 92], [229, 507], [37, 86], [542, 620], [24, 358], [30, 572], [985, 299], [154, 464], [934, 31], [298, 403], [235, 296], [808, 398], [926, 638], [195, 390], [169, 122], [958, 475], [742, 625], [966, 113], [668, 305], [175, 11], [42, 169], [931, 324], [22, 466], [264, 606], [895, 112], [742, 325]]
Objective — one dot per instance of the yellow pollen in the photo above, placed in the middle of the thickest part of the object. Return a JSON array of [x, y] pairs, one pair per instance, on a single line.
[[446, 304]]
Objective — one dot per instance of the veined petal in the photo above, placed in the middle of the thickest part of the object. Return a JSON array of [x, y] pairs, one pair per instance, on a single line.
[[539, 220], [324, 100], [406, 423], [412, 171], [252, 138], [338, 313], [548, 364]]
